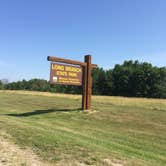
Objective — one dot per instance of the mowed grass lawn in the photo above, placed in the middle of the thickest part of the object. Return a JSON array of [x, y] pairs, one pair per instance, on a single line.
[[128, 131]]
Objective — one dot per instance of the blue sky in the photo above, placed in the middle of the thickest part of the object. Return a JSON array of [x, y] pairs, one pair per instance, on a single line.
[[111, 30]]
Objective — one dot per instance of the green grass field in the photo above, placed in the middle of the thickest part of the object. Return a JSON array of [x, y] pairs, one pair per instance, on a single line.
[[128, 131]]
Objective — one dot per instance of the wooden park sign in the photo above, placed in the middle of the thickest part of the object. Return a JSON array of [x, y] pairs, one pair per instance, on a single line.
[[70, 72], [65, 74]]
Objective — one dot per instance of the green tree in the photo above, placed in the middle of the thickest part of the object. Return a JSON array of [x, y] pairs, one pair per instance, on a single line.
[[99, 81], [1, 85], [132, 78]]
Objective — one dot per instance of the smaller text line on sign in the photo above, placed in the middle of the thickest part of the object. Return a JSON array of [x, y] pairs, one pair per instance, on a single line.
[[65, 74]]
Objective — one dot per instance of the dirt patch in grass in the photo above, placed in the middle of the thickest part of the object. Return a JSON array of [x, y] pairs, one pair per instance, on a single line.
[[12, 155]]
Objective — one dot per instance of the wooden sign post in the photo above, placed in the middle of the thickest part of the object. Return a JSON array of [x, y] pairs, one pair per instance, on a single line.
[[70, 75]]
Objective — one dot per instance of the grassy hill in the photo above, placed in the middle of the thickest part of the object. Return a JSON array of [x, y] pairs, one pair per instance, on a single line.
[[124, 131]]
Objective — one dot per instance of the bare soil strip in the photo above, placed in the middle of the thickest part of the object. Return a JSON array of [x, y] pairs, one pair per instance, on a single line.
[[12, 155]]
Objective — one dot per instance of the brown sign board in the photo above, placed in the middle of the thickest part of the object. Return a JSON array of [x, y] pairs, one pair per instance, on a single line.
[[73, 73], [65, 74]]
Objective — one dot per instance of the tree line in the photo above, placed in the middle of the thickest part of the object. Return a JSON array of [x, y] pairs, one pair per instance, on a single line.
[[131, 79]]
